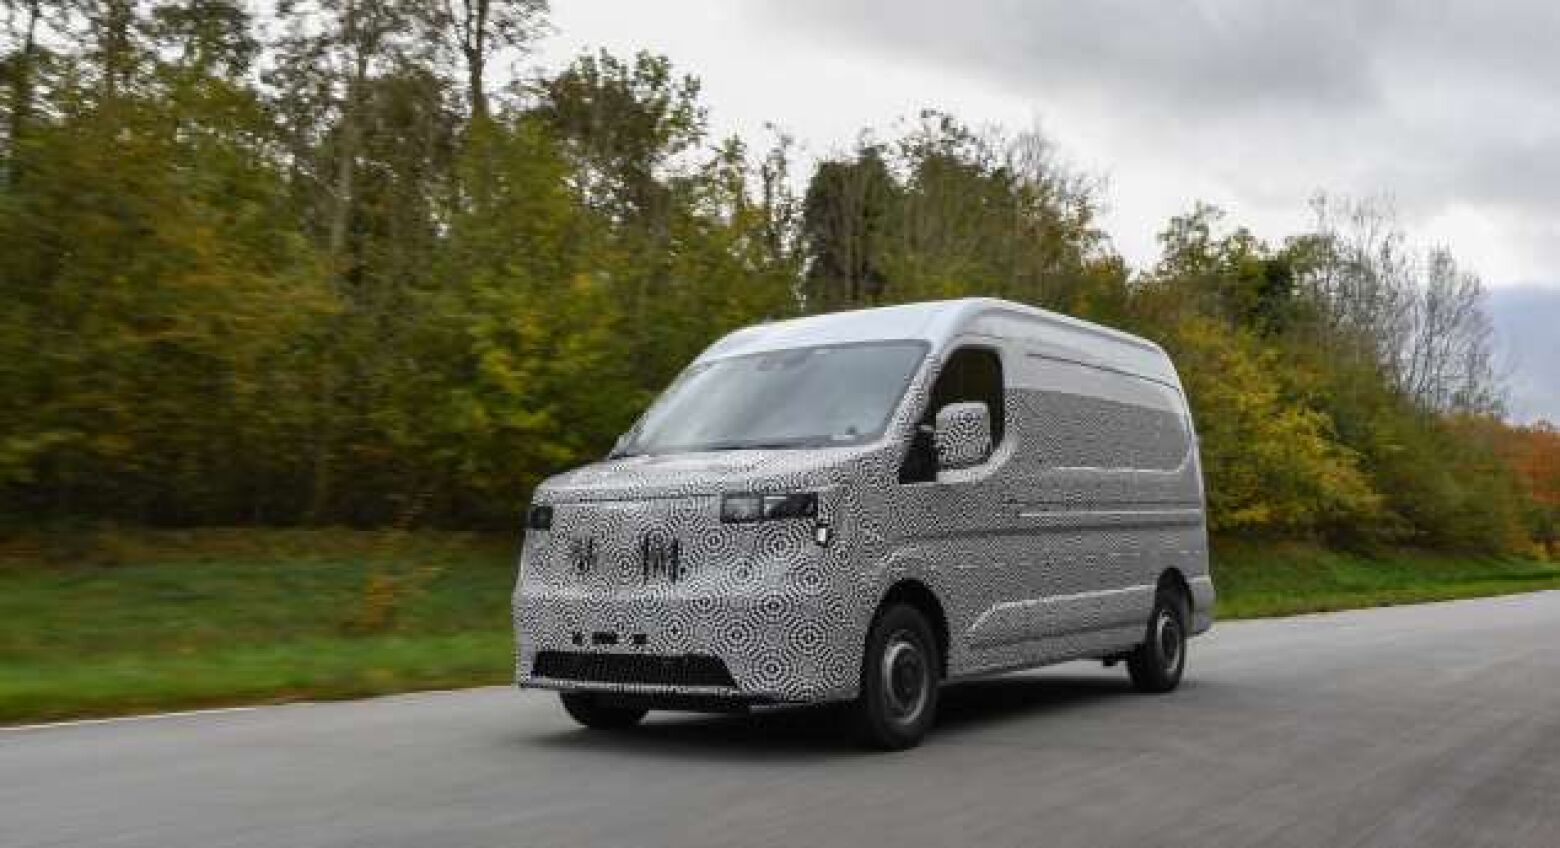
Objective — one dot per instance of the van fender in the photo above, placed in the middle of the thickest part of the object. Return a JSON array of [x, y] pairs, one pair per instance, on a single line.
[[911, 567]]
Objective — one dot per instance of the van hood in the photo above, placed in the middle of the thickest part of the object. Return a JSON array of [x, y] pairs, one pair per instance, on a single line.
[[706, 473]]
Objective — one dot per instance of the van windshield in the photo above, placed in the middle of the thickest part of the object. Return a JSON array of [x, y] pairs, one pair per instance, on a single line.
[[803, 397]]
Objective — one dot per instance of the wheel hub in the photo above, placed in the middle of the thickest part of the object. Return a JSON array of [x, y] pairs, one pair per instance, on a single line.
[[906, 681], [1168, 633]]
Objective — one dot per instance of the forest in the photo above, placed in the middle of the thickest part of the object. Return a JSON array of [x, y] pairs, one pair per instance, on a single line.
[[334, 263]]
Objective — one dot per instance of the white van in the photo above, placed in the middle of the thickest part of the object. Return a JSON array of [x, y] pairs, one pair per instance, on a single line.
[[864, 505]]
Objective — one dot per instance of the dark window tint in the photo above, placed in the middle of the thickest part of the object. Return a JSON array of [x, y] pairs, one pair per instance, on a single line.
[[972, 373]]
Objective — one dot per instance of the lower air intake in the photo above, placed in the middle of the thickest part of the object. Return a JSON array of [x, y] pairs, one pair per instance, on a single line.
[[633, 669]]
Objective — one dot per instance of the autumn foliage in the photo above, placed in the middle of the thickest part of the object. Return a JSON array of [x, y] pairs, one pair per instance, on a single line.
[[1533, 452]]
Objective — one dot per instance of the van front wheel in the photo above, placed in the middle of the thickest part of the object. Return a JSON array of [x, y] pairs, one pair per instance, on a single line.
[[588, 709], [1157, 664], [899, 679]]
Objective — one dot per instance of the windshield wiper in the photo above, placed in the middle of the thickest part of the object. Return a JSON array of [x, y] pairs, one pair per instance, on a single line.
[[720, 446]]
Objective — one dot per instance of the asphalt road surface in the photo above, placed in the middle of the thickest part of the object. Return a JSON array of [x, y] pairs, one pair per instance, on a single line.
[[1416, 726]]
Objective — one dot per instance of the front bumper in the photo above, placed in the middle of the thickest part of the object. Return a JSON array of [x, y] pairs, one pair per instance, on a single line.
[[768, 647]]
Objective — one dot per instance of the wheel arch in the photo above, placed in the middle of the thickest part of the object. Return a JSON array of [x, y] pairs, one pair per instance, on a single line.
[[1172, 578], [918, 595]]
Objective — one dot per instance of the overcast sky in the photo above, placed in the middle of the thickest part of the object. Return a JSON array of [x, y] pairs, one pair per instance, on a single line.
[[1451, 109]]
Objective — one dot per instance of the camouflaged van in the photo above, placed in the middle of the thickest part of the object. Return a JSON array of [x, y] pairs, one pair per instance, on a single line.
[[866, 505]]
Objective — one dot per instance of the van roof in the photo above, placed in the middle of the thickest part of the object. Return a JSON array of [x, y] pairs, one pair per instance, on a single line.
[[940, 322]]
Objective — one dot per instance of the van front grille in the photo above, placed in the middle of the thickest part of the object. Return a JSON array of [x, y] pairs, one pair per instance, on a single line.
[[633, 669]]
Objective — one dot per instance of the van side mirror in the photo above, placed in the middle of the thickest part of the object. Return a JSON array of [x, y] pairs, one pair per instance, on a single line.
[[962, 436]]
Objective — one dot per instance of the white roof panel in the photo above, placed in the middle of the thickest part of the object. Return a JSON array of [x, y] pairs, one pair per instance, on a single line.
[[1040, 333]]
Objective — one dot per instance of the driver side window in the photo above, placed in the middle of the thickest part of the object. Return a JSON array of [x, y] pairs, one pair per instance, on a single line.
[[971, 374]]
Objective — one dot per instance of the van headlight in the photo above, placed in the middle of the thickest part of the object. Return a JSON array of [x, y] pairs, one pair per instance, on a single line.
[[742, 509]]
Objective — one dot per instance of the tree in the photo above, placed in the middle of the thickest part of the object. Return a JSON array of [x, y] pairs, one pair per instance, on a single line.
[[947, 212], [628, 131], [1272, 463], [1533, 454], [322, 75], [624, 125], [845, 218], [152, 283], [19, 68], [989, 213], [476, 29], [1419, 316]]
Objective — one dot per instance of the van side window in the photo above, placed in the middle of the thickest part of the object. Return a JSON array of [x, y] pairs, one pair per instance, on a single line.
[[970, 374]]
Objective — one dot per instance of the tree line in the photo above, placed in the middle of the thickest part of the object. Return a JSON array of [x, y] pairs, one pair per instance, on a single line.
[[322, 261]]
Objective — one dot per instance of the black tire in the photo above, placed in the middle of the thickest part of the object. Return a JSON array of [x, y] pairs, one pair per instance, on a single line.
[[589, 709], [900, 674], [1157, 664]]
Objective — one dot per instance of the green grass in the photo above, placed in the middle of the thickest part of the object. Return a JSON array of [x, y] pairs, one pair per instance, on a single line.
[[151, 621], [1257, 580], [107, 623]]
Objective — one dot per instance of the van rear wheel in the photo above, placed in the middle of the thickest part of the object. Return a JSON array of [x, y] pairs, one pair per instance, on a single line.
[[590, 710], [1157, 664], [900, 673]]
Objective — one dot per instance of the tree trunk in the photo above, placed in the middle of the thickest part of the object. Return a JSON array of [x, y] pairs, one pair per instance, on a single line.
[[116, 47], [346, 159], [474, 72], [21, 95], [473, 47]]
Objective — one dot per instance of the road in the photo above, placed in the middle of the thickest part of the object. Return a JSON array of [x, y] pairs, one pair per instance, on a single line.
[[1414, 726]]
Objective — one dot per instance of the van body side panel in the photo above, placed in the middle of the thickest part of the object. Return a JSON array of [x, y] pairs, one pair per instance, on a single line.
[[1097, 496]]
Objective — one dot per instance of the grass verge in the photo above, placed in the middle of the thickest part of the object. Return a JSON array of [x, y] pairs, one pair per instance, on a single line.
[[137, 621], [134, 621], [1258, 580]]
